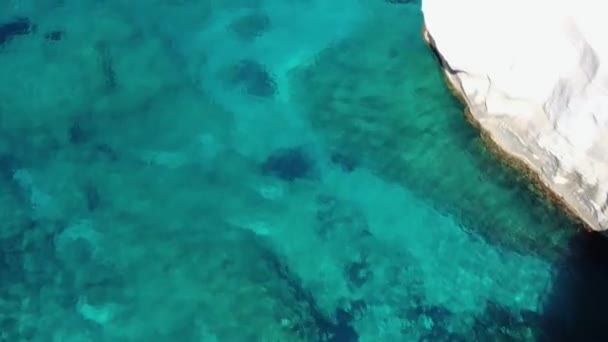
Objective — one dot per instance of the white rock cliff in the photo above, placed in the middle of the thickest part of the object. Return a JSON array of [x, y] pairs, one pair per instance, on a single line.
[[533, 75]]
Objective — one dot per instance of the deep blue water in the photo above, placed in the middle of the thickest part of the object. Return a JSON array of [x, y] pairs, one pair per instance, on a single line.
[[264, 170]]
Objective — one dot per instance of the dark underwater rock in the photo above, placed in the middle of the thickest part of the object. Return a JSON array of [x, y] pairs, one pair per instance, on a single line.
[[358, 272], [54, 35], [106, 64], [346, 162], [17, 27], [343, 331], [251, 26], [498, 323], [289, 164], [253, 78], [78, 133], [8, 164], [91, 194], [318, 326]]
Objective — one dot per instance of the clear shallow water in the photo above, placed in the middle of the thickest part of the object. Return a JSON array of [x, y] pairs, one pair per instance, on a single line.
[[263, 171]]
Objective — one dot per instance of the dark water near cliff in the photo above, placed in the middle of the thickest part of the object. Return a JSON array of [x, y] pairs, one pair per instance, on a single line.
[[263, 170]]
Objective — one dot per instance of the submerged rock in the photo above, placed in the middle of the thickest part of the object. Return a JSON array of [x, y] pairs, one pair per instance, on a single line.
[[536, 90], [253, 78], [289, 164], [347, 163], [251, 26], [17, 27]]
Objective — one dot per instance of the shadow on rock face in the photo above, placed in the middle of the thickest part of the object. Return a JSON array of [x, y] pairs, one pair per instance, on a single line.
[[575, 309]]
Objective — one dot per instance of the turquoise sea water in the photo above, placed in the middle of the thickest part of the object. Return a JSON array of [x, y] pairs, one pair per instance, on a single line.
[[264, 170]]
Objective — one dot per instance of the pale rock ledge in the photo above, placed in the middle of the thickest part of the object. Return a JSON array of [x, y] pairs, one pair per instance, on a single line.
[[533, 74]]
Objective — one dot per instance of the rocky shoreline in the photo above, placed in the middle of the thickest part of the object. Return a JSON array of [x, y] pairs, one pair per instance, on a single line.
[[506, 148]]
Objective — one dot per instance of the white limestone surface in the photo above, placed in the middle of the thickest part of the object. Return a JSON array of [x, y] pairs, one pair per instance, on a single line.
[[533, 74]]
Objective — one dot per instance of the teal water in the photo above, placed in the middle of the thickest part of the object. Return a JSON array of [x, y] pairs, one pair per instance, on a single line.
[[263, 170]]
